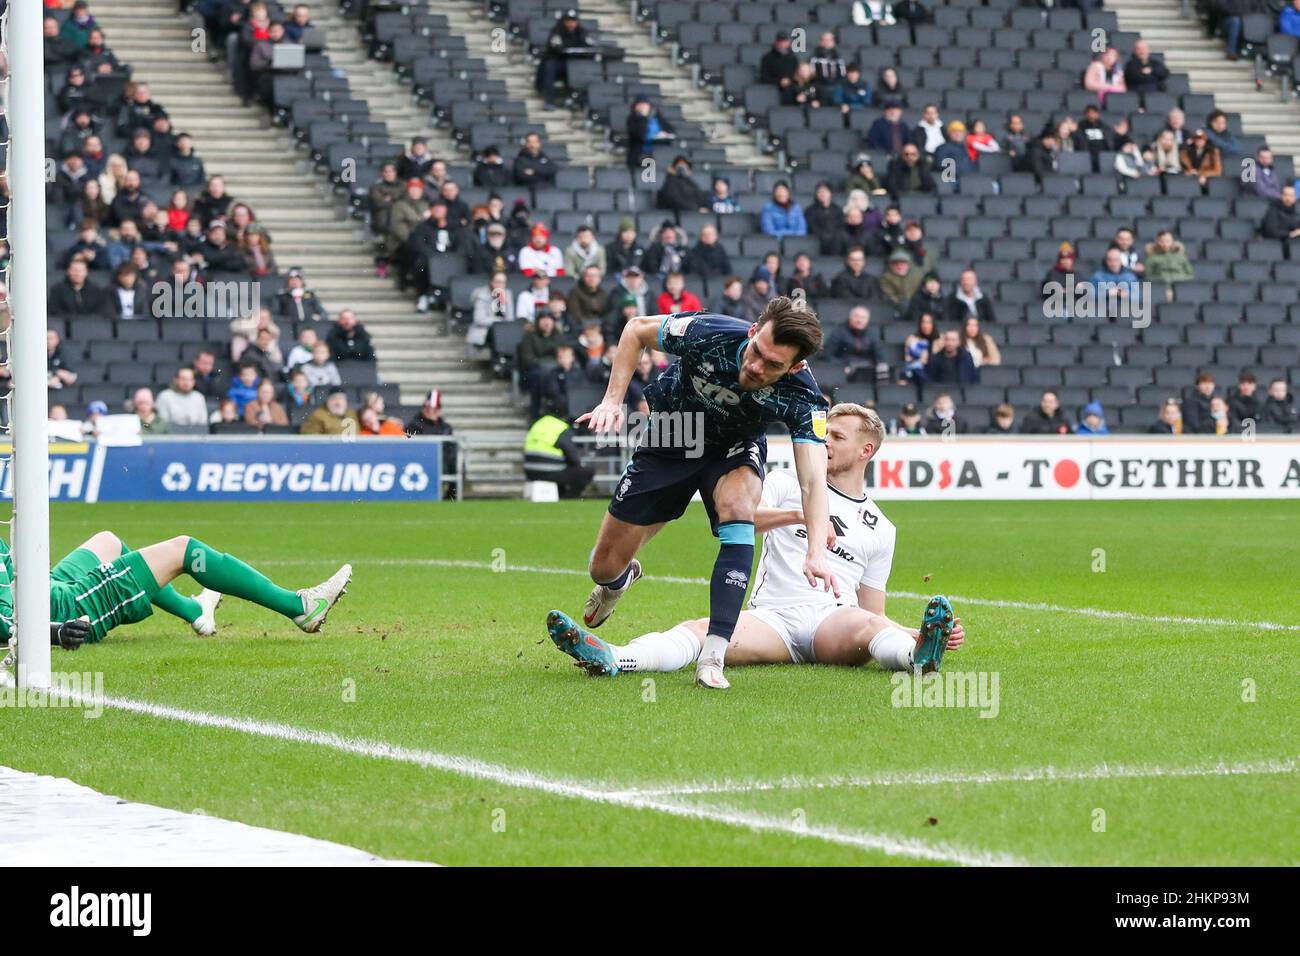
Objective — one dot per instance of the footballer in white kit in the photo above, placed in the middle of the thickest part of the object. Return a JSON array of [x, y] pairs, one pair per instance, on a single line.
[[789, 618]]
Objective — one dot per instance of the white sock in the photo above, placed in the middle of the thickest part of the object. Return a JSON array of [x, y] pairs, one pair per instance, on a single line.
[[715, 647], [892, 648], [667, 651]]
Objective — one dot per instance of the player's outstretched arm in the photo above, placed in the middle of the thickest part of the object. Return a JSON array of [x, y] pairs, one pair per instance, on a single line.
[[639, 333], [810, 466], [766, 519]]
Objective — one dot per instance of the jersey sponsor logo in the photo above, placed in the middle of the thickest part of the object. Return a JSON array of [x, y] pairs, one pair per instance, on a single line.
[[678, 326], [819, 422], [714, 392]]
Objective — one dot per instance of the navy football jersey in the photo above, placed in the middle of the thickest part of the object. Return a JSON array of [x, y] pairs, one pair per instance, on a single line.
[[706, 380]]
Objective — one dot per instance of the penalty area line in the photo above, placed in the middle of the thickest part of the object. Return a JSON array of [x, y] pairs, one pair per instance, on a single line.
[[528, 780], [1094, 612]]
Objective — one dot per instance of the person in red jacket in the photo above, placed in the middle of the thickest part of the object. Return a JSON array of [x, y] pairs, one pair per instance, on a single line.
[[676, 298]]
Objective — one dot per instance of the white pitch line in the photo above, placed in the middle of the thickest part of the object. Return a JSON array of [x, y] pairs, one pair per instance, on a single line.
[[1095, 612], [525, 779], [1287, 765]]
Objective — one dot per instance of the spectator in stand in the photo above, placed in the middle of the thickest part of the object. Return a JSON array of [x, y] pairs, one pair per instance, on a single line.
[[950, 364], [1145, 73], [1167, 260], [1105, 75], [185, 169], [827, 65], [929, 298], [1220, 137], [1201, 158], [680, 192], [908, 421], [1169, 421], [299, 22], [429, 421], [1093, 420], [490, 171], [532, 166], [437, 237], [535, 299], [1042, 158], [302, 349], [803, 280], [1132, 163], [495, 254], [1289, 20], [889, 133], [89, 248], [1279, 413], [979, 141], [823, 218], [226, 414], [584, 251], [757, 296], [1263, 180], [731, 299], [862, 176], [778, 65], [212, 203], [1196, 405], [264, 410], [1094, 136], [624, 251], [259, 261], [139, 111], [457, 211], [128, 202], [551, 393], [321, 370], [208, 379], [676, 297], [1114, 283], [416, 161], [968, 299], [180, 404], [853, 282], [588, 301], [1245, 404], [1220, 418], [889, 89], [244, 388], [1047, 418], [374, 424], [127, 294], [983, 350], [1125, 243], [721, 200], [60, 52], [707, 257], [645, 129], [216, 254], [151, 423], [924, 258], [297, 303], [349, 341], [867, 12], [490, 304], [298, 396], [782, 215], [540, 255], [854, 347], [1004, 421], [1282, 221], [1176, 123], [244, 330], [942, 417], [909, 173], [1165, 155], [403, 216], [901, 280], [75, 295], [851, 91], [552, 72], [928, 133], [537, 348], [58, 373], [591, 350], [802, 90], [666, 254], [1014, 142], [332, 418]]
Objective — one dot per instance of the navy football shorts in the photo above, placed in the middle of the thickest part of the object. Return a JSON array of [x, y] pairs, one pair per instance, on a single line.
[[657, 487]]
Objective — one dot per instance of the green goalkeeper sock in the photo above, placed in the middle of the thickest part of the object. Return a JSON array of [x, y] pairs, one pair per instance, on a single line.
[[173, 602], [226, 573]]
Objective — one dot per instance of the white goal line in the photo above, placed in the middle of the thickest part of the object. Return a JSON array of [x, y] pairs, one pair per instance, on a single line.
[[890, 845], [1094, 612]]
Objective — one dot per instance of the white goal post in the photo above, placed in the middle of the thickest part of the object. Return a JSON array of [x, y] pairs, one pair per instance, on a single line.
[[28, 415]]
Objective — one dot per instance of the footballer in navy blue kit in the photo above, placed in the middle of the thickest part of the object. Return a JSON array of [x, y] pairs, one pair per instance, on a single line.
[[734, 378]]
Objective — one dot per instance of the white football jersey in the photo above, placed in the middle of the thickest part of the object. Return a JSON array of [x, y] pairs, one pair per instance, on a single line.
[[864, 549]]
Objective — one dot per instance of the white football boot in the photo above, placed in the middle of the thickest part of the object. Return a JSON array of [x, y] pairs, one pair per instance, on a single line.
[[601, 601], [708, 673], [317, 601], [206, 625]]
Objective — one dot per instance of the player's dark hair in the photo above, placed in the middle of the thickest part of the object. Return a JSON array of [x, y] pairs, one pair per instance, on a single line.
[[793, 323]]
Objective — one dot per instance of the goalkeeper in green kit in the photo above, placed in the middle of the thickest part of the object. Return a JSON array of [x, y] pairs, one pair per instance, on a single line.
[[103, 584]]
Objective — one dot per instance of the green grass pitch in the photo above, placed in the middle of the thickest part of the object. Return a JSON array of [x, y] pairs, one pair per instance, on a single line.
[[1109, 746]]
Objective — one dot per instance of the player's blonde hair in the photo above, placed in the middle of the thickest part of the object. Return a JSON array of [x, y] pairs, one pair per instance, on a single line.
[[870, 422]]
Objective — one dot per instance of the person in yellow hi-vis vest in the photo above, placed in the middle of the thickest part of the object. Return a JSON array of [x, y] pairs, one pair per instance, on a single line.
[[551, 455]]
